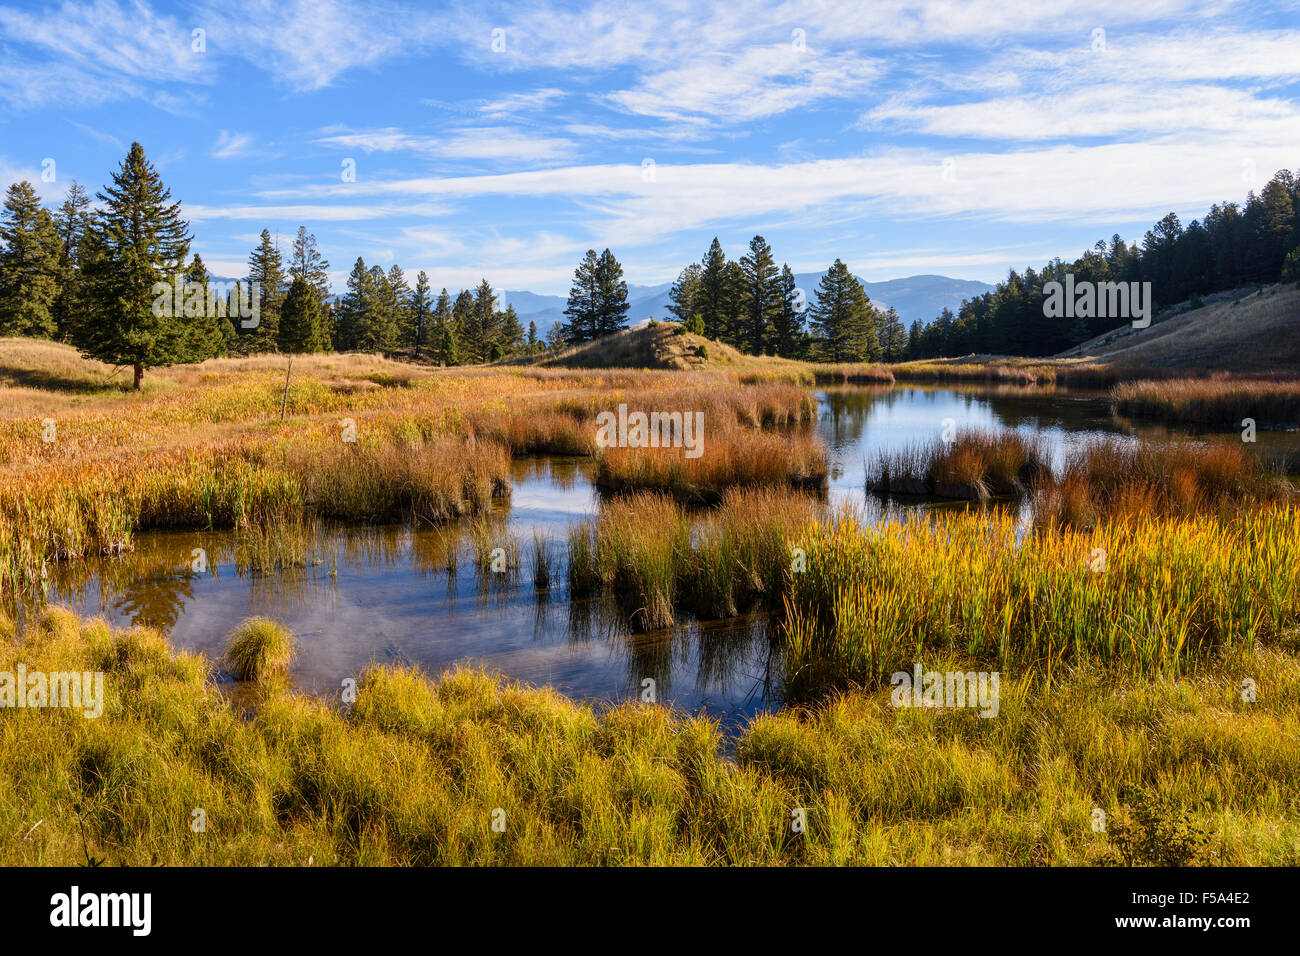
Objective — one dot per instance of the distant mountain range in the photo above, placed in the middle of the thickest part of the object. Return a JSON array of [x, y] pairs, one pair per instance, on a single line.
[[915, 297]]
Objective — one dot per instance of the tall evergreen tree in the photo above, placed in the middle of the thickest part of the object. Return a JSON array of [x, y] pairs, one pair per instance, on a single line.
[[611, 303], [684, 293], [842, 317], [301, 320], [893, 344], [442, 328], [30, 265], [581, 308], [354, 308], [787, 320], [714, 300], [307, 263], [71, 222], [448, 346], [204, 316], [139, 240], [419, 314], [733, 305], [266, 271], [915, 335], [378, 329], [760, 293], [400, 292], [511, 338], [487, 322], [468, 345]]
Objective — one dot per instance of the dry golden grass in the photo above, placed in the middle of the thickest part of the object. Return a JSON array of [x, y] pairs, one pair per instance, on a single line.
[[1218, 401], [664, 345], [1255, 334]]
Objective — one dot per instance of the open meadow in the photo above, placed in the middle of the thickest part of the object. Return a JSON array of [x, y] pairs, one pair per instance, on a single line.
[[366, 617]]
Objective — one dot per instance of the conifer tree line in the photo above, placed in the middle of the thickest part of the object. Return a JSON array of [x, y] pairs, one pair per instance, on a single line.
[[1257, 243], [752, 305], [85, 273]]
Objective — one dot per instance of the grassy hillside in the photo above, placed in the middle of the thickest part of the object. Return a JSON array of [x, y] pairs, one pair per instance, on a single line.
[[664, 345], [1257, 332]]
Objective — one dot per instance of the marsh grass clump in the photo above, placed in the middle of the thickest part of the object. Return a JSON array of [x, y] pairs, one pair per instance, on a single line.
[[641, 542], [259, 648], [1114, 478], [849, 374], [542, 561], [1215, 401], [974, 466], [584, 576], [654, 557], [1145, 595], [730, 458], [742, 552]]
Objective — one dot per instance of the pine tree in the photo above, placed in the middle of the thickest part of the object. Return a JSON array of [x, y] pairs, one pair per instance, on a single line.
[[139, 240], [442, 326], [842, 317], [448, 347], [511, 338], [760, 294], [1273, 229], [914, 338], [266, 271], [893, 345], [418, 315], [203, 313], [582, 306], [787, 321], [400, 297], [685, 292], [713, 302], [307, 263], [300, 319], [533, 342], [611, 296], [378, 329], [468, 345], [733, 306], [487, 323], [353, 308], [71, 222], [30, 265]]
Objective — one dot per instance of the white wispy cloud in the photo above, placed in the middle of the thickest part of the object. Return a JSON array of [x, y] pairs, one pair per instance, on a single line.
[[88, 53], [231, 145], [483, 142], [516, 103], [308, 44], [758, 82]]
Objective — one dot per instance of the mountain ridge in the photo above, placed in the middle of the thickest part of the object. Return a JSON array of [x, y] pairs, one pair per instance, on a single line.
[[921, 296]]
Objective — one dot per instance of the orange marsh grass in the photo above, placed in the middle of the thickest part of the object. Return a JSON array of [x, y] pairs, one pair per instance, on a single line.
[[973, 466], [1215, 402], [729, 458], [1117, 478]]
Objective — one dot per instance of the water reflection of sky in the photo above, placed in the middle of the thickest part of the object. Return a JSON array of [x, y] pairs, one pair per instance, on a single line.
[[383, 594]]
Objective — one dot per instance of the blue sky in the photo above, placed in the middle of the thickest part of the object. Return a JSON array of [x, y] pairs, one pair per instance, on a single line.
[[503, 140]]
